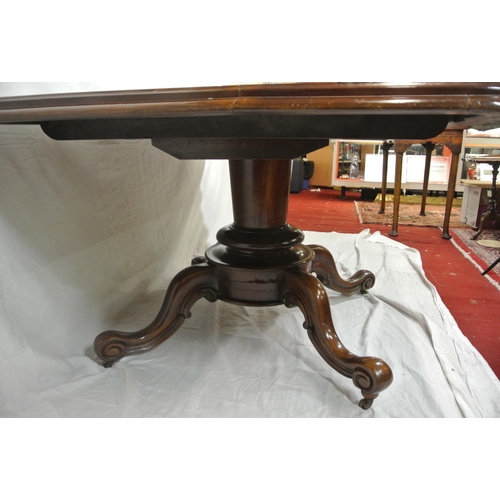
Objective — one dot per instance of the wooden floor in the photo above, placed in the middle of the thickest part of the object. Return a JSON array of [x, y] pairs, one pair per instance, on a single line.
[[471, 298]]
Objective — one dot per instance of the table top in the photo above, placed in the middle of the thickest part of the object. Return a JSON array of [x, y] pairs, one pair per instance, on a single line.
[[484, 159], [481, 184], [271, 118]]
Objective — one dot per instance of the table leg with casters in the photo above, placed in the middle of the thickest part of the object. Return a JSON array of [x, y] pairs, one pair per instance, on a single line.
[[260, 260]]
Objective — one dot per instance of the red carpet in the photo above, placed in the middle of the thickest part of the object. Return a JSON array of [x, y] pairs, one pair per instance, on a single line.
[[471, 298]]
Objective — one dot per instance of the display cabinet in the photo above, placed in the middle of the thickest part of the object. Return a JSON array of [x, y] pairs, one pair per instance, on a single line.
[[477, 177], [334, 162], [333, 166], [475, 146]]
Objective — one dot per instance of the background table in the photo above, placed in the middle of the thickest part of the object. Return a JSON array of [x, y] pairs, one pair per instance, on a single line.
[[452, 138]]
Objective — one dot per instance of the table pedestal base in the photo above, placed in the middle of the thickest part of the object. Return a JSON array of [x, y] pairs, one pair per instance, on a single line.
[[260, 261]]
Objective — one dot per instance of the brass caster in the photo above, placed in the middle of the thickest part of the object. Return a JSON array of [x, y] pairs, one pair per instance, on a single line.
[[198, 260]]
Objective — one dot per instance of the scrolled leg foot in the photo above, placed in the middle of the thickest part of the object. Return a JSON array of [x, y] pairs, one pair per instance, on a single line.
[[365, 403], [186, 288], [369, 374], [324, 266]]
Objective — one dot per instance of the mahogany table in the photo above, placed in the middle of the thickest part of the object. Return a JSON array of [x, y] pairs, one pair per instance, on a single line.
[[260, 259]]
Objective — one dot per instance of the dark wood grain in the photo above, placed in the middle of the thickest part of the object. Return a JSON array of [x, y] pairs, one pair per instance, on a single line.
[[457, 101], [370, 374], [188, 120], [326, 270]]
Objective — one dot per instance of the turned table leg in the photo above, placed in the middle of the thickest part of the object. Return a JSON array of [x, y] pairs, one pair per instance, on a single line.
[[399, 149], [386, 146], [450, 193]]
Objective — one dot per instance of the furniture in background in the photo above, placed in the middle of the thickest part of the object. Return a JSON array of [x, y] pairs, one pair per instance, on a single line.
[[452, 138], [494, 244], [260, 259], [491, 215], [334, 168], [333, 165], [476, 197], [323, 164], [386, 147]]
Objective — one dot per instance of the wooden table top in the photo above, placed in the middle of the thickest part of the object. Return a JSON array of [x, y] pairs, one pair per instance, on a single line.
[[270, 116], [484, 159]]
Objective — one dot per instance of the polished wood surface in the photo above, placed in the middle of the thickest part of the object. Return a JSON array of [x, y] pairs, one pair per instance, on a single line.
[[270, 111], [260, 258], [451, 99], [253, 185]]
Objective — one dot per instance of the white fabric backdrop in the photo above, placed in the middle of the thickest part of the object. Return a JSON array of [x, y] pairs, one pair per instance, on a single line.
[[92, 232]]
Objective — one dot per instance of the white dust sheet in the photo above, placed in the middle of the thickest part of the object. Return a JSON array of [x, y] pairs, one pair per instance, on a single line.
[[92, 232]]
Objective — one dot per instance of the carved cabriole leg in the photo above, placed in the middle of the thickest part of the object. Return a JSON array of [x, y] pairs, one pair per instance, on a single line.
[[326, 270], [185, 289], [260, 260], [487, 216], [371, 375]]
